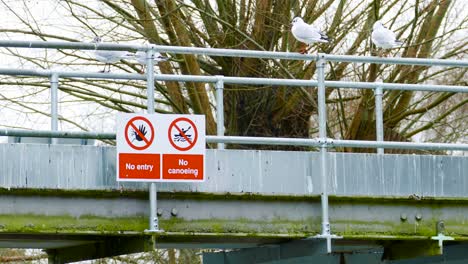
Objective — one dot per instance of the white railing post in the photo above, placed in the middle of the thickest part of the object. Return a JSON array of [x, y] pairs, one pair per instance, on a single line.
[[219, 85], [378, 92], [322, 114], [54, 104], [153, 192]]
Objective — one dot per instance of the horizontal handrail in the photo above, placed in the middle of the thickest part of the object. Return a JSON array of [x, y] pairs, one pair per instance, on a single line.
[[71, 45], [72, 74], [232, 53], [56, 134], [318, 142], [304, 142], [238, 80]]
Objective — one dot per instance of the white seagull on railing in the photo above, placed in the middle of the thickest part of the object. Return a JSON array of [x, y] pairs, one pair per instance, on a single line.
[[109, 56], [306, 33], [140, 57], [383, 37]]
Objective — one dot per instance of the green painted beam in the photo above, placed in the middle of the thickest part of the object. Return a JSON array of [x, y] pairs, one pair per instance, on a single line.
[[363, 218], [75, 220]]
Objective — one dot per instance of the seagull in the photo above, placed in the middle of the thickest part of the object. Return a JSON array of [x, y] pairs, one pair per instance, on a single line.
[[140, 57], [306, 33], [108, 56], [383, 37]]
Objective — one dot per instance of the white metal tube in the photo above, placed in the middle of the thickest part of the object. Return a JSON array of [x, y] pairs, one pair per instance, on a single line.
[[330, 143], [219, 85], [154, 221], [57, 134], [295, 82], [298, 56], [398, 86], [396, 60], [322, 114], [231, 53], [378, 92], [398, 145], [54, 104], [240, 80], [150, 80], [153, 191], [68, 74], [69, 45], [307, 142], [322, 105]]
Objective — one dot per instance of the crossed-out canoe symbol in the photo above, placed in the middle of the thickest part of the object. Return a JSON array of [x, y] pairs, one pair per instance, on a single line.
[[182, 134]]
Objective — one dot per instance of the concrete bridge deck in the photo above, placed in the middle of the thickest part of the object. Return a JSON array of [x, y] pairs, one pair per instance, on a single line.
[[65, 199]]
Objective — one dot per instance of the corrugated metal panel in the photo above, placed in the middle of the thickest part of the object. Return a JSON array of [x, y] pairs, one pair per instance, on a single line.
[[243, 171]]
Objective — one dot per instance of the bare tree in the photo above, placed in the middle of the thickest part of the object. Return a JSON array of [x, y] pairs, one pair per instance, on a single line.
[[432, 28]]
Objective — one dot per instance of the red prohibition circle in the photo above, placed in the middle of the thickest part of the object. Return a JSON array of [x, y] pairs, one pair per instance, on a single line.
[[135, 130], [174, 124]]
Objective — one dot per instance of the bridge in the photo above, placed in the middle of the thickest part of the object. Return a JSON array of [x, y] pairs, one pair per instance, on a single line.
[[322, 206]]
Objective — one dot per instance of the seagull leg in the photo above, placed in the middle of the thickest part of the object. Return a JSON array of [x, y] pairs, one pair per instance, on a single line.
[[380, 53], [143, 69], [385, 53], [103, 70], [303, 48]]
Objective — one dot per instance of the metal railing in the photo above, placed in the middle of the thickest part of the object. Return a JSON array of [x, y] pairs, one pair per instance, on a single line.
[[229, 52], [322, 142]]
